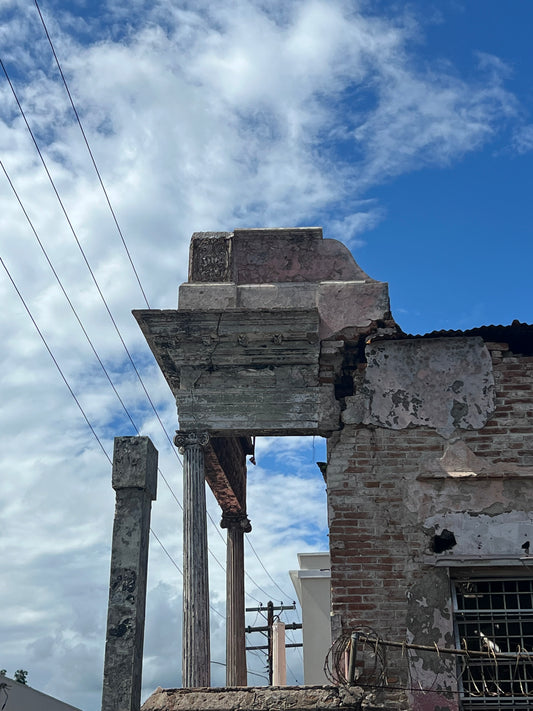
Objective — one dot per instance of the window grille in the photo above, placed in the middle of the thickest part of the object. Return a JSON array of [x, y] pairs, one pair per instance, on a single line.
[[495, 616]]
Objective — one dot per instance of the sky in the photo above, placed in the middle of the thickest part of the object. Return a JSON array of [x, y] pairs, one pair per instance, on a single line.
[[403, 129]]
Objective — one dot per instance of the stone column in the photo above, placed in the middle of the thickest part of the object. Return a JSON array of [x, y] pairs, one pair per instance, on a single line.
[[135, 482], [195, 640], [236, 525]]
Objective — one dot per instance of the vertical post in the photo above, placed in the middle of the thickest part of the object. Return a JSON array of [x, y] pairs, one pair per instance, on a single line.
[[353, 658], [134, 480], [237, 525], [270, 623], [279, 662], [195, 641]]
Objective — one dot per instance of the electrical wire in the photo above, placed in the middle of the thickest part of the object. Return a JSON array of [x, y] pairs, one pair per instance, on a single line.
[[106, 306], [84, 256], [78, 319], [56, 363], [287, 597], [90, 152], [69, 301], [76, 400], [98, 289], [256, 654], [91, 272], [73, 309]]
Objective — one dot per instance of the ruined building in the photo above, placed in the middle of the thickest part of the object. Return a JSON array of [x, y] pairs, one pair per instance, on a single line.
[[430, 461]]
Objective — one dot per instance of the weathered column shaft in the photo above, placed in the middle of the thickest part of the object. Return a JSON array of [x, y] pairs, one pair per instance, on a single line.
[[196, 644], [135, 483], [235, 635]]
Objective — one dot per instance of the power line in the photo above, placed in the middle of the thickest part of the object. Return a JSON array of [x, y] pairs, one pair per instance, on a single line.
[[76, 400], [78, 319], [94, 280], [91, 426], [287, 597], [91, 272], [73, 309], [54, 359], [52, 356], [56, 363], [69, 301], [179, 569], [90, 152]]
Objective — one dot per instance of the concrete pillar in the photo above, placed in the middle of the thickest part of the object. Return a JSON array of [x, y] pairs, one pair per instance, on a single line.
[[279, 663], [237, 526], [195, 640], [135, 482]]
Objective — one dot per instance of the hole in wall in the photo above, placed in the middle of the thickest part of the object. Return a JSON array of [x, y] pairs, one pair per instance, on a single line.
[[444, 541]]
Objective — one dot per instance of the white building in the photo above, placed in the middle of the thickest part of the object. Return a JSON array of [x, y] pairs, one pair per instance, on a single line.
[[313, 587]]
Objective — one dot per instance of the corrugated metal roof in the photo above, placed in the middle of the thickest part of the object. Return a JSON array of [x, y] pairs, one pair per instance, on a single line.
[[519, 336]]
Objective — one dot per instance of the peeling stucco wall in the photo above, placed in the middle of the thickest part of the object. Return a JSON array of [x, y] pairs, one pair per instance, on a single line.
[[430, 449], [441, 384], [431, 475]]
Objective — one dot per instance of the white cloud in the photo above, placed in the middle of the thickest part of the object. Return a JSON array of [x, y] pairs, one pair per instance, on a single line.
[[523, 139], [204, 116]]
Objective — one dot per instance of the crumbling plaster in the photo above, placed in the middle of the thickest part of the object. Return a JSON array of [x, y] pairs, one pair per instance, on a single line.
[[243, 353], [441, 384], [280, 332]]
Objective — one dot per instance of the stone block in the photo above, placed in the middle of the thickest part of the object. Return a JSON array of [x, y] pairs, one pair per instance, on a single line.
[[351, 304], [277, 296], [303, 698], [207, 297], [300, 254], [135, 465], [210, 258], [234, 408]]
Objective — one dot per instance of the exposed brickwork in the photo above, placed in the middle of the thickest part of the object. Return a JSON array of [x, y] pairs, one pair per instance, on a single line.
[[389, 494], [507, 437], [371, 531]]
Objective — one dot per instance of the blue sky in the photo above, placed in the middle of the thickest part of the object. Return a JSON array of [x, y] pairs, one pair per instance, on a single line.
[[455, 243], [403, 129]]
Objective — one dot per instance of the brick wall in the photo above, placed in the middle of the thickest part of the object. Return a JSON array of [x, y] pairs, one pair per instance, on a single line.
[[388, 496], [507, 437]]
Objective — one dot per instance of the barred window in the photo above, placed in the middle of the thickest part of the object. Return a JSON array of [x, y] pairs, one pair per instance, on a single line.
[[495, 616]]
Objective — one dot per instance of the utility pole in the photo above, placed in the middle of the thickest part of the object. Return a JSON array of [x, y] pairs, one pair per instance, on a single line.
[[271, 609], [270, 622]]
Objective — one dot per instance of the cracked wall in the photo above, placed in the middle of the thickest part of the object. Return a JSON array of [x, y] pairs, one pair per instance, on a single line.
[[444, 384], [430, 474], [430, 452], [243, 352]]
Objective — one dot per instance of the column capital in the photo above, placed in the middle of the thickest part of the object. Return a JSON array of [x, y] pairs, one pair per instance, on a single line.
[[190, 438], [238, 521]]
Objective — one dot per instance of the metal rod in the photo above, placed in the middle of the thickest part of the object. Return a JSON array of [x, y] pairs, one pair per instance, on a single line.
[[353, 656]]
